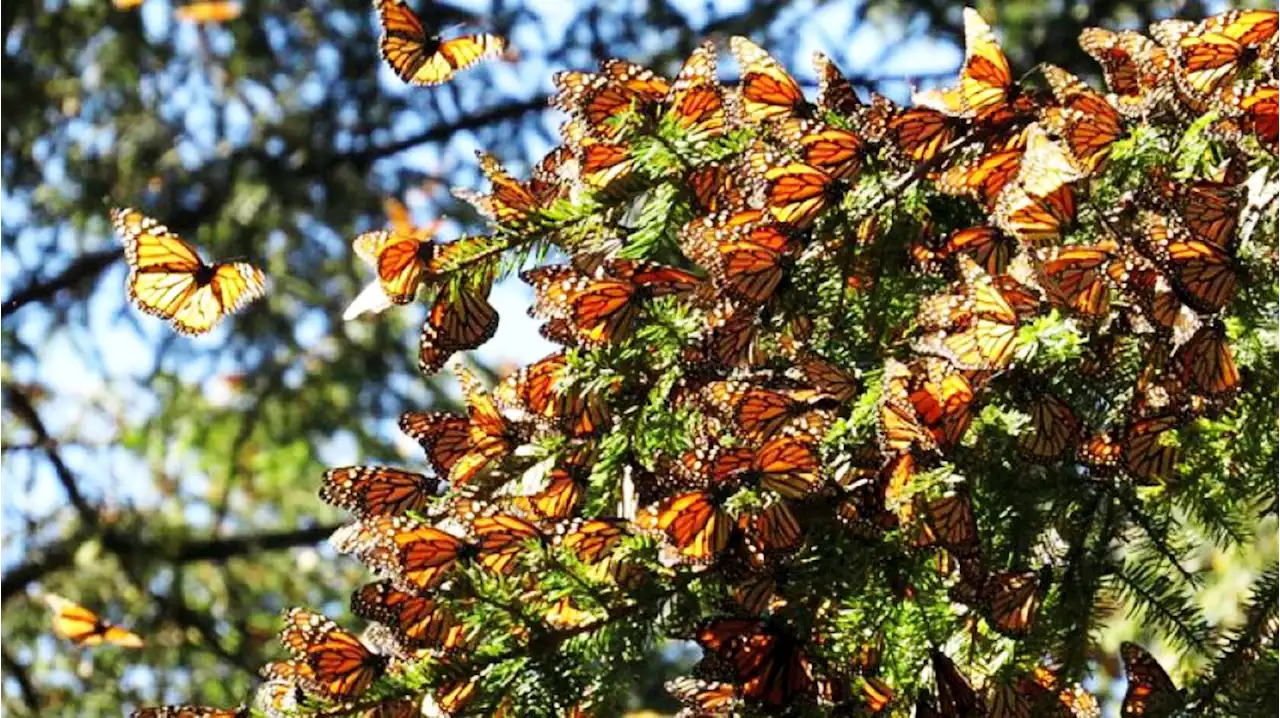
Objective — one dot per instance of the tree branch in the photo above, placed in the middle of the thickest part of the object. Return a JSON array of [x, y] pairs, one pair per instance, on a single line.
[[18, 403], [81, 268], [19, 674], [62, 555]]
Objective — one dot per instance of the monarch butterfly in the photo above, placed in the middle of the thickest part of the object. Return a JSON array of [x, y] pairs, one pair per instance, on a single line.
[[168, 279], [766, 92], [956, 696], [900, 430], [1054, 428], [452, 697], [1077, 278], [591, 540], [986, 90], [501, 538], [761, 413], [86, 628], [828, 380], [714, 187], [401, 261], [796, 193], [919, 133], [422, 58], [953, 525], [696, 524], [417, 621], [458, 321], [1012, 598], [543, 390], [490, 434], [416, 557], [835, 92], [1213, 53], [1086, 122], [696, 101], [748, 260], [1035, 205], [834, 150], [509, 200], [985, 339], [445, 437], [377, 490], [1203, 274], [943, 400], [1251, 110], [983, 177], [281, 691], [602, 101], [601, 309], [341, 666], [561, 495], [191, 711], [765, 660], [1138, 72], [1205, 363], [988, 246], [203, 11], [1041, 694], [783, 464], [1151, 692], [705, 698], [1139, 447], [1208, 209]]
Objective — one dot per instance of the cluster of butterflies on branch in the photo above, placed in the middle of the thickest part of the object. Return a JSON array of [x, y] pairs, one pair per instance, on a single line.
[[719, 219]]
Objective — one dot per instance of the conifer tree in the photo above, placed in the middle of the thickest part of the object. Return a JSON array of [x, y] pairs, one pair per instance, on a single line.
[[884, 408]]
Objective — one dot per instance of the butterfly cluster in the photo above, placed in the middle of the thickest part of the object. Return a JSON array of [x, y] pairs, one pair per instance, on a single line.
[[785, 327]]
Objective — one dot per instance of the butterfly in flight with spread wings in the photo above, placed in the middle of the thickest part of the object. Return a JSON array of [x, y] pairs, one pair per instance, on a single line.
[[86, 628], [168, 279], [417, 53], [341, 666]]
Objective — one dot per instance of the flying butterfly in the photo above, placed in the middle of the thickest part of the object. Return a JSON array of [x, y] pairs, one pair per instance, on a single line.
[[86, 628], [168, 279], [763, 659], [1151, 693], [208, 11], [416, 51], [341, 666]]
